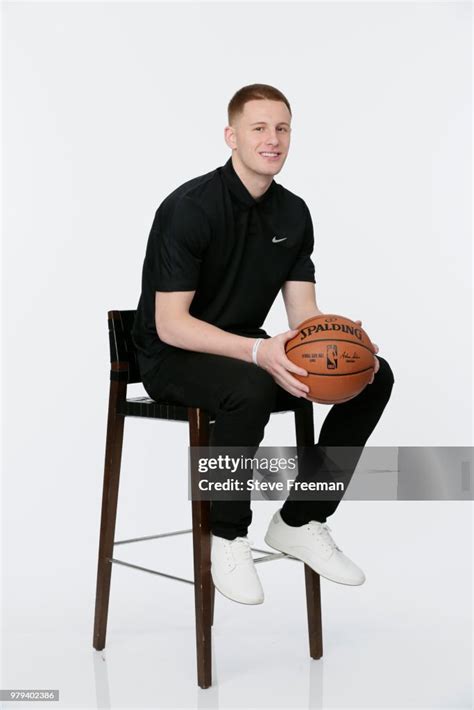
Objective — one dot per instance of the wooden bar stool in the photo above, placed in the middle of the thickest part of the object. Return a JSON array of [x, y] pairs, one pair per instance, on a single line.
[[124, 371]]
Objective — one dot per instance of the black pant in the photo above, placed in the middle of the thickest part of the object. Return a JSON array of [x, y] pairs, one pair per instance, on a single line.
[[241, 396]]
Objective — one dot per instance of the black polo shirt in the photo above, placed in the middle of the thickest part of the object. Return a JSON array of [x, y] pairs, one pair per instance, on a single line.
[[212, 237]]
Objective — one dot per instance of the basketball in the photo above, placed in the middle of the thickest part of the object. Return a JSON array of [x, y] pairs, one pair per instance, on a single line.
[[337, 354]]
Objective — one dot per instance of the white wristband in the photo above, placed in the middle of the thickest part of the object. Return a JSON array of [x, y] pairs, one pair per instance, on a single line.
[[254, 350]]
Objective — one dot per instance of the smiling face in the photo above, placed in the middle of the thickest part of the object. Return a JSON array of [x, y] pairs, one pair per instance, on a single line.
[[260, 137]]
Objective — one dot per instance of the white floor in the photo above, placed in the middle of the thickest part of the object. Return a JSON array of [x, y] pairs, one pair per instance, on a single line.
[[401, 640]]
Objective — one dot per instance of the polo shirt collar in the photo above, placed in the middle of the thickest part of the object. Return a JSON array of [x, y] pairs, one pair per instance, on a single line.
[[239, 190]]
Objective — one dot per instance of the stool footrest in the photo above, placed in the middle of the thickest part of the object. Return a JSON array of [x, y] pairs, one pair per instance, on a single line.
[[152, 571], [268, 555], [152, 537]]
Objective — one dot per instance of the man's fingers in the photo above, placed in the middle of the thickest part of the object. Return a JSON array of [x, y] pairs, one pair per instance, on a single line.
[[377, 363], [289, 334], [290, 381], [295, 384], [289, 365], [376, 369], [289, 388]]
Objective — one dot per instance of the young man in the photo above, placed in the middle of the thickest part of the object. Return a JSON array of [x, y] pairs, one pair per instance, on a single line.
[[221, 247]]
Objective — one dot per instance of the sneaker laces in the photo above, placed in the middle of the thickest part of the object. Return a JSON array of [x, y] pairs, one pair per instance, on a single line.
[[239, 549], [323, 530]]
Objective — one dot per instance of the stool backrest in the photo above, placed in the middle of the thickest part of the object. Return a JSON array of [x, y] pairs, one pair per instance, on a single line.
[[123, 354]]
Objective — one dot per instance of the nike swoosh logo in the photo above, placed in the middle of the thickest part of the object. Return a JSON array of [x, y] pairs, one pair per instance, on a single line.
[[275, 240]]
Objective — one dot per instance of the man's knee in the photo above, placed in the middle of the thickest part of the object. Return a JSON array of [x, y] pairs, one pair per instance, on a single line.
[[384, 375]]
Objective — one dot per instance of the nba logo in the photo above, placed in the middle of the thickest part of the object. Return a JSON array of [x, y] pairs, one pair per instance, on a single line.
[[331, 357]]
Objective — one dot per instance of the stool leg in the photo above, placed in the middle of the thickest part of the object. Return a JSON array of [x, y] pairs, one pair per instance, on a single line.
[[113, 457], [213, 589], [313, 606], [305, 437], [203, 585]]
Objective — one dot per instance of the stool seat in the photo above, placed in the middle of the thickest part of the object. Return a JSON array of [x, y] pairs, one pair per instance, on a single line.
[[151, 408], [124, 371], [146, 407]]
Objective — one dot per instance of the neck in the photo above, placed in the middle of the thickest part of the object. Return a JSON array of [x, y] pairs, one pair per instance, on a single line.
[[256, 184]]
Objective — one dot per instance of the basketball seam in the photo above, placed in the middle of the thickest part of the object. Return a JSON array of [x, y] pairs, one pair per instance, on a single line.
[[333, 374], [334, 401], [331, 340]]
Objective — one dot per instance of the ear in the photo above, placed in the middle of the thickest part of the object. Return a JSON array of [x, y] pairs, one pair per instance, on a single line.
[[229, 137]]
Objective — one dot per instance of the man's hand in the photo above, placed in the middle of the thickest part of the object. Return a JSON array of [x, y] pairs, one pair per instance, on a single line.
[[271, 357], [377, 363]]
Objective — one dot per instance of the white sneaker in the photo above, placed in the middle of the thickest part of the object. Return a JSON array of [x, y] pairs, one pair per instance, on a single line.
[[233, 570], [313, 544]]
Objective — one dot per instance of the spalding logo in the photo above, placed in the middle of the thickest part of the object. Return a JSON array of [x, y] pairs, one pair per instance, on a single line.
[[305, 332]]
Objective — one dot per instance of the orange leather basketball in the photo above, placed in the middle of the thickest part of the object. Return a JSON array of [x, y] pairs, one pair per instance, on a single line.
[[337, 354]]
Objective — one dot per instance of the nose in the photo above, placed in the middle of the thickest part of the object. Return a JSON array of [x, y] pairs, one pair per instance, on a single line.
[[272, 139]]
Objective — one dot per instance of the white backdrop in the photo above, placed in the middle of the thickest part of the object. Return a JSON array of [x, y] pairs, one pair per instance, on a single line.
[[107, 107]]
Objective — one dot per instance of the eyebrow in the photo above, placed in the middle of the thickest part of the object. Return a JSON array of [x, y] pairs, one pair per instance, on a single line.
[[264, 122]]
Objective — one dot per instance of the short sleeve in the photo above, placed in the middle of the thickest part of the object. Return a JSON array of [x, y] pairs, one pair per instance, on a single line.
[[303, 267], [176, 246]]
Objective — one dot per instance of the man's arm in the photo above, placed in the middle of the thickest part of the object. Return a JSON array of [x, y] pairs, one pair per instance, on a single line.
[[175, 326], [300, 301]]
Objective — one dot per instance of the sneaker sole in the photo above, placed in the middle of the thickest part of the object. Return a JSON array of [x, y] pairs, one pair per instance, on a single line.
[[276, 546], [234, 599]]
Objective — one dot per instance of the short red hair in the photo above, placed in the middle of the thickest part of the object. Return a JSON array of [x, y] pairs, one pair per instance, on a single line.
[[250, 93]]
